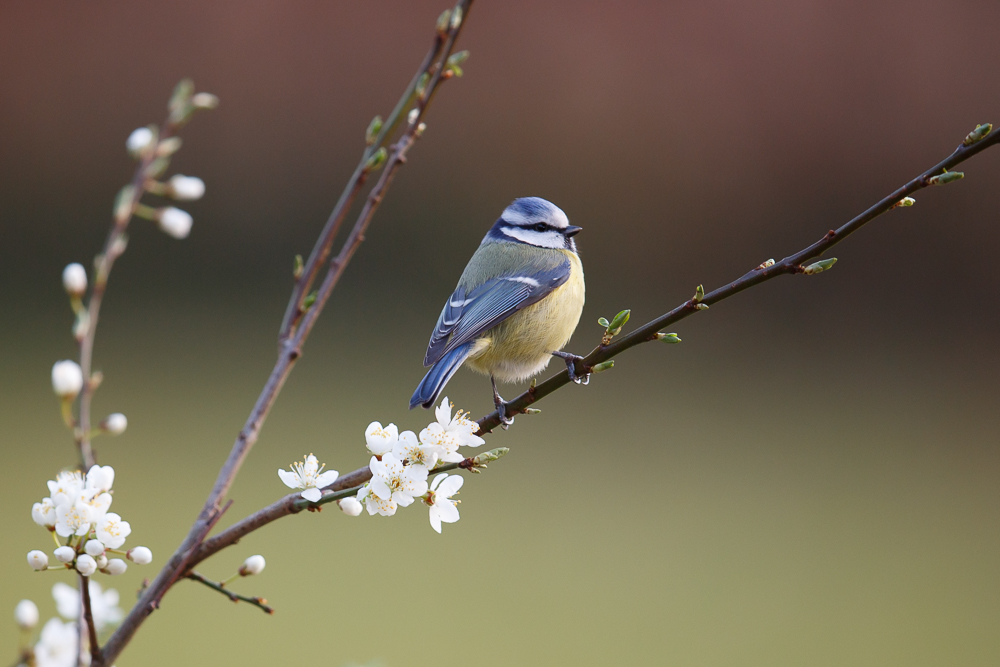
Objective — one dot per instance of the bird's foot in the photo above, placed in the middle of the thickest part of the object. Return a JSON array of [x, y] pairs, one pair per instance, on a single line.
[[571, 360], [501, 406]]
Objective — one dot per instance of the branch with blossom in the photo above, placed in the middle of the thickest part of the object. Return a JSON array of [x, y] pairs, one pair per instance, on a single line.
[[403, 467]]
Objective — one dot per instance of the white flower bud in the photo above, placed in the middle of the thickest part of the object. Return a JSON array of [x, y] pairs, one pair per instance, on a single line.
[[102, 561], [86, 565], [186, 188], [38, 560], [116, 566], [75, 279], [67, 379], [138, 140], [94, 547], [140, 555], [204, 101], [350, 506], [115, 424], [252, 565], [175, 222], [26, 614], [65, 554]]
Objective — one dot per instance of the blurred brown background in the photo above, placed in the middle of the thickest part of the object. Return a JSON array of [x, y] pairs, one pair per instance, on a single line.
[[809, 479]]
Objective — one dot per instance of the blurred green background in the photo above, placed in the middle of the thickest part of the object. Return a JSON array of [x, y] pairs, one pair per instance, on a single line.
[[809, 479]]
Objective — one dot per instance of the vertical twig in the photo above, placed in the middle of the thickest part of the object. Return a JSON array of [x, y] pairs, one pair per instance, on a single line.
[[88, 620]]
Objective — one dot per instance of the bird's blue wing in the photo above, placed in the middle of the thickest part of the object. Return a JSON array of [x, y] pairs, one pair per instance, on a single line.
[[470, 313]]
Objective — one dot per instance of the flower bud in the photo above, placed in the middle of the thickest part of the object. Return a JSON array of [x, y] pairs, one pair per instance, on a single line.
[[140, 555], [946, 177], [65, 554], [603, 366], [26, 614], [116, 566], [820, 266], [75, 279], [115, 424], [94, 547], [86, 565], [138, 141], [204, 101], [185, 188], [252, 565], [38, 560], [102, 561], [977, 134], [67, 379], [350, 506], [175, 222]]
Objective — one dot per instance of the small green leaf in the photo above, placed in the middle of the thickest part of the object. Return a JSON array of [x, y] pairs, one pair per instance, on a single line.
[[182, 95], [699, 293], [374, 127], [620, 320], [668, 337], [820, 266], [123, 202], [946, 177], [376, 161], [603, 321], [603, 366], [977, 134], [443, 21], [298, 267], [308, 302]]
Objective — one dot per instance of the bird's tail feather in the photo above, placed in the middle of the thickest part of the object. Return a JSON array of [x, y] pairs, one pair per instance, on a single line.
[[439, 374]]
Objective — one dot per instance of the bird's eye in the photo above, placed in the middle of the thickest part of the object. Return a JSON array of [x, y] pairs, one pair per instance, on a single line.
[[541, 227]]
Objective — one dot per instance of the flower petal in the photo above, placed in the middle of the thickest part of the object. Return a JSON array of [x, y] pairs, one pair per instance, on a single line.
[[290, 479], [312, 495], [450, 486], [327, 478], [435, 519], [447, 511]]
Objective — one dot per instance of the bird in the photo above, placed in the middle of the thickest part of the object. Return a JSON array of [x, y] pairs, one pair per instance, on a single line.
[[516, 305]]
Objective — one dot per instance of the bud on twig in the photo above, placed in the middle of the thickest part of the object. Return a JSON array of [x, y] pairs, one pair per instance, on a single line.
[[204, 101], [699, 294], [74, 278], [765, 265], [67, 379], [115, 424], [614, 327], [252, 565], [481, 460], [977, 134], [820, 266], [350, 506], [376, 161], [123, 202], [140, 140], [38, 560], [298, 267], [374, 127], [115, 567], [309, 300], [456, 18], [140, 555], [668, 337], [185, 188], [455, 61], [946, 177], [64, 554], [603, 366], [444, 20], [174, 221], [532, 411], [169, 146], [904, 202], [26, 614]]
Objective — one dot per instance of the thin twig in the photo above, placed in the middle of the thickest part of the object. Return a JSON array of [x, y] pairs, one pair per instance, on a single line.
[[788, 266], [289, 353], [88, 620], [260, 603]]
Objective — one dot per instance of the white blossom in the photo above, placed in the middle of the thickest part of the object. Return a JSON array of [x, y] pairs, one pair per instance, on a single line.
[[407, 448], [442, 507], [252, 565], [44, 513], [103, 604], [94, 547], [450, 433], [186, 188], [116, 566], [65, 488], [98, 502], [140, 555], [308, 476], [65, 554], [67, 378], [86, 565], [115, 423], [350, 506], [57, 645], [101, 478], [112, 531], [175, 222], [38, 560], [395, 484], [375, 504], [74, 278], [26, 614], [73, 519], [138, 140], [381, 440]]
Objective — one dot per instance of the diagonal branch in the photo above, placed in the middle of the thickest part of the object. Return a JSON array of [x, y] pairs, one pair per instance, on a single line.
[[258, 602], [788, 266], [291, 347]]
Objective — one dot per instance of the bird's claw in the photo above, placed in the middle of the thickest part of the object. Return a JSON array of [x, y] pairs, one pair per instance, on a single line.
[[505, 421], [571, 360]]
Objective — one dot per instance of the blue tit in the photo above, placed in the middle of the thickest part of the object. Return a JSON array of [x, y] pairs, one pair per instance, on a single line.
[[516, 305]]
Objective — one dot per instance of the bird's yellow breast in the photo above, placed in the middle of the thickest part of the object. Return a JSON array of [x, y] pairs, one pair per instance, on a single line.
[[521, 346]]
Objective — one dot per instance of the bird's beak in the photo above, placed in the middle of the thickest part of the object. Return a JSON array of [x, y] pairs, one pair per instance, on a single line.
[[572, 230]]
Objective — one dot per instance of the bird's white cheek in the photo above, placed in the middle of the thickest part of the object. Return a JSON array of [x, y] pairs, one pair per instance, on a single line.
[[530, 236]]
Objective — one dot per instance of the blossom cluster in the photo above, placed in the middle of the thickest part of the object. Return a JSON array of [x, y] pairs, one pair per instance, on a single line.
[[400, 465], [58, 643], [76, 510]]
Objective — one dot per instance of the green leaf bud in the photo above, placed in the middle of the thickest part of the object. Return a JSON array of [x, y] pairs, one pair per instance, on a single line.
[[603, 366], [668, 337], [820, 266], [977, 134], [374, 127], [946, 177]]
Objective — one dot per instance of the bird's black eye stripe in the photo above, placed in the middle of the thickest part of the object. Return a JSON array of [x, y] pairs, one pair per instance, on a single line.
[[541, 227]]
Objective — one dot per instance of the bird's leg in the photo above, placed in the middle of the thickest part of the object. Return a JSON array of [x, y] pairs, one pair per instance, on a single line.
[[571, 360], [501, 406]]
